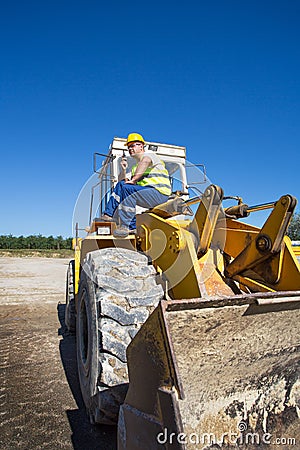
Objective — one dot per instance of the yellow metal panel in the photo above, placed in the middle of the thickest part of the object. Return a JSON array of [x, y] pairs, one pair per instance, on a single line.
[[77, 248], [172, 251], [279, 271], [238, 236], [296, 250]]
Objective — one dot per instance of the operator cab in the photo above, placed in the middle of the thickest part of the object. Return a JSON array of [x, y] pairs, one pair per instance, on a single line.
[[173, 156]]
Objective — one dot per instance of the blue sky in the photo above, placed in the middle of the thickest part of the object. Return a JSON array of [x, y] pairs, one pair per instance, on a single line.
[[220, 77]]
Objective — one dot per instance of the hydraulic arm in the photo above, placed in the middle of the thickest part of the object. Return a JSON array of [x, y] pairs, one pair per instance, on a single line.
[[264, 260], [255, 260]]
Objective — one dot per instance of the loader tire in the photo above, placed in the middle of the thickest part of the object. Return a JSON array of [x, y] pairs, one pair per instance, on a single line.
[[70, 314], [117, 293]]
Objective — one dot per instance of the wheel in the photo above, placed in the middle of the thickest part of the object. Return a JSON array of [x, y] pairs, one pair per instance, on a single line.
[[117, 293], [70, 314]]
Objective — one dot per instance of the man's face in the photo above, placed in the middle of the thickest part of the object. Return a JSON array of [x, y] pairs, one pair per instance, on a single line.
[[135, 147]]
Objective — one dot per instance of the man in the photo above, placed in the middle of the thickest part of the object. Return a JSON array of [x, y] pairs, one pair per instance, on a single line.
[[149, 186]]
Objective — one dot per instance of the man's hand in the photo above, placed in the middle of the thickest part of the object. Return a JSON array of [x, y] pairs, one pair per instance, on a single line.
[[124, 163], [130, 182]]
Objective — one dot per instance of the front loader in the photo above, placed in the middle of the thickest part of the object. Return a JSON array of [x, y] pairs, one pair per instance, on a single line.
[[187, 330]]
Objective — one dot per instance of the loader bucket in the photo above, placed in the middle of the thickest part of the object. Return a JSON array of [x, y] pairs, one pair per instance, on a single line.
[[215, 374]]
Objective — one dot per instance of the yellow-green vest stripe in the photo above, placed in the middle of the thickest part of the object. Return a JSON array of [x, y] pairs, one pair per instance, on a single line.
[[158, 178]]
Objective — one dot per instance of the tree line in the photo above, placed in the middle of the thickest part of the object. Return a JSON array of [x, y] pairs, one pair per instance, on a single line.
[[35, 242], [39, 242], [294, 228]]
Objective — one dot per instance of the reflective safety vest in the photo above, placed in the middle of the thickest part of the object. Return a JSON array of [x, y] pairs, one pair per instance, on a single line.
[[157, 178]]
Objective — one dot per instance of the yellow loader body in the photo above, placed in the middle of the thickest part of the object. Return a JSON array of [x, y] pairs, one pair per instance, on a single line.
[[188, 330]]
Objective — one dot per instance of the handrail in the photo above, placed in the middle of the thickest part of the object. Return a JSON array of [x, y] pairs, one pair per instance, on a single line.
[[109, 157]]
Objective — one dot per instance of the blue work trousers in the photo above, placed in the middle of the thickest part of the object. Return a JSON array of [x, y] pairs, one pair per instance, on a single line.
[[126, 197]]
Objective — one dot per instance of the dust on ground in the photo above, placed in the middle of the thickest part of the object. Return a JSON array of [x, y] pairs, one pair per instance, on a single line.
[[40, 401]]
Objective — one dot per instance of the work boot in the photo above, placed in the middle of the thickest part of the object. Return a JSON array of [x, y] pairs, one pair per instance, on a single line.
[[121, 232], [106, 218]]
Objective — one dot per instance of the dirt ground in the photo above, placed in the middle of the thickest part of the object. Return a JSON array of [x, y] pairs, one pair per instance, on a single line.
[[40, 401]]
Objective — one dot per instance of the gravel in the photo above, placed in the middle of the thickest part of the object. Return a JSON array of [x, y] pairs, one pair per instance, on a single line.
[[40, 401]]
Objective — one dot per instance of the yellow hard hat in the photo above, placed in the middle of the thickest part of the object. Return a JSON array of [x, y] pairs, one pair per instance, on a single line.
[[133, 137]]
